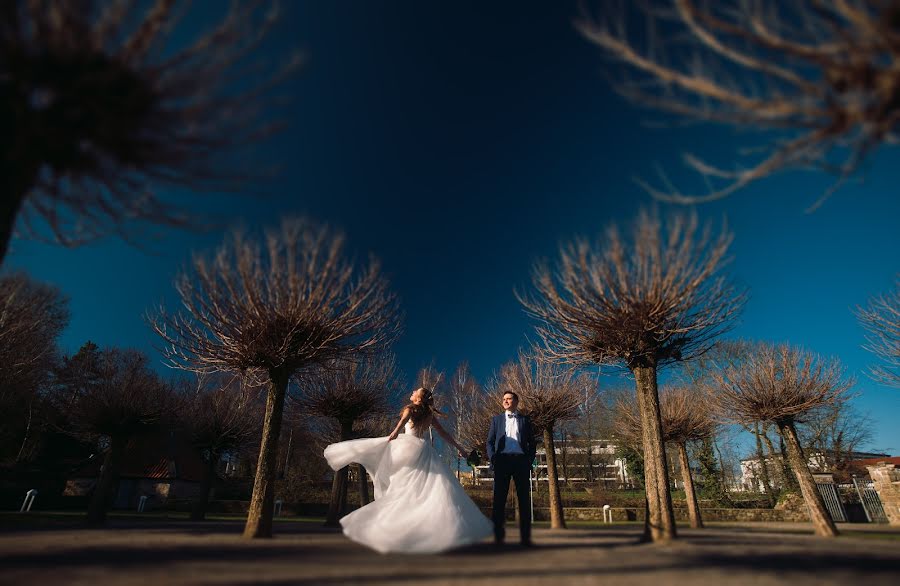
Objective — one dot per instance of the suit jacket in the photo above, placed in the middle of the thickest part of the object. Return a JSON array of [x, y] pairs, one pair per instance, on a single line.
[[497, 437]]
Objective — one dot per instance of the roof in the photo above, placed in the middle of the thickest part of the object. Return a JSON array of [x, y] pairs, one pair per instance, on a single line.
[[873, 461], [165, 455]]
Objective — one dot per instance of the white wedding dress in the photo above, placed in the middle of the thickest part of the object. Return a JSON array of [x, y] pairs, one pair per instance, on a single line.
[[419, 505]]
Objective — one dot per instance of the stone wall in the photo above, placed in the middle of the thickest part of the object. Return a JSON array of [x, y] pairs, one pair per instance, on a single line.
[[886, 478], [620, 514]]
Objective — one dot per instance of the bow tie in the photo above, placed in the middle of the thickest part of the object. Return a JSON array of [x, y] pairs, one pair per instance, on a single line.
[[510, 415]]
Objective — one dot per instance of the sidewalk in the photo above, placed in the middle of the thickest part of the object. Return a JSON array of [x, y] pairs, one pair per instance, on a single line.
[[305, 554]]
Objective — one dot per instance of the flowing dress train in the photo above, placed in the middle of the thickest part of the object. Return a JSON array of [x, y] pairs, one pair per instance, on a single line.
[[419, 505]]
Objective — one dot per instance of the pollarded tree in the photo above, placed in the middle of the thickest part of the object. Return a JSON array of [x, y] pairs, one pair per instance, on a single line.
[[123, 399], [783, 385], [220, 415], [640, 304], [348, 393], [550, 393], [816, 79], [32, 316], [686, 417], [273, 311], [881, 318], [98, 111]]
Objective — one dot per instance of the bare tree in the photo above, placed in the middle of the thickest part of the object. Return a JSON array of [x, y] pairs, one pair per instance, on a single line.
[[881, 319], [271, 312], [591, 424], [686, 417], [761, 466], [550, 393], [220, 415], [643, 304], [815, 79], [97, 109], [32, 316], [784, 385], [123, 399], [834, 433], [349, 393]]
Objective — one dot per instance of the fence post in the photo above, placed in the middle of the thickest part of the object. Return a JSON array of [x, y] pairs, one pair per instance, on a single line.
[[29, 500]]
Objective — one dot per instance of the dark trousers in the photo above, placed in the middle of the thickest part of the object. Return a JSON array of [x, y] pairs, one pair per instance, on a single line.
[[517, 468]]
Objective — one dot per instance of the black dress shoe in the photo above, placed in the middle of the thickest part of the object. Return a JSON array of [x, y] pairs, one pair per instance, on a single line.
[[528, 543]]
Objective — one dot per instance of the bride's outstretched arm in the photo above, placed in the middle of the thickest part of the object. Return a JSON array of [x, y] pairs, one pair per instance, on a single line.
[[404, 417], [443, 433]]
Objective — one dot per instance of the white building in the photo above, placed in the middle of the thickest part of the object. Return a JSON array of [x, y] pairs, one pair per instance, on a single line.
[[751, 470]]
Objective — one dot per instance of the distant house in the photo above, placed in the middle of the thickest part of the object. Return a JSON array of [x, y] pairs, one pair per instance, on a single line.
[[163, 466], [751, 470], [585, 460]]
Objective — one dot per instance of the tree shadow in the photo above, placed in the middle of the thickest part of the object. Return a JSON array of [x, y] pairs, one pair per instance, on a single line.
[[116, 557]]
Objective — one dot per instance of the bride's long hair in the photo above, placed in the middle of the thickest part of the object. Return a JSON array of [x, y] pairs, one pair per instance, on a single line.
[[424, 411]]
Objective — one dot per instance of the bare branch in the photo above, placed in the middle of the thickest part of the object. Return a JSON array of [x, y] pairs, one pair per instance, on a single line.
[[549, 392], [817, 78], [881, 319], [777, 384], [296, 303], [656, 299]]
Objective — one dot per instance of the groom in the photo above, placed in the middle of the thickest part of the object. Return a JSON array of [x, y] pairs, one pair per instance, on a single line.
[[510, 450]]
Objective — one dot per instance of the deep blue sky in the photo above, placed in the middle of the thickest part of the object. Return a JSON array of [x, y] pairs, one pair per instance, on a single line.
[[459, 141]]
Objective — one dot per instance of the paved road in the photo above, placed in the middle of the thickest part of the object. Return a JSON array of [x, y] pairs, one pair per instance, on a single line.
[[163, 553]]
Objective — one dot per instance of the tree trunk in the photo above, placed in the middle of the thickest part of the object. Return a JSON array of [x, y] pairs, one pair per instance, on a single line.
[[19, 457], [822, 522], [363, 486], [790, 480], [557, 519], [662, 522], [763, 468], [109, 474], [689, 494], [18, 184], [262, 503], [198, 512], [777, 458], [337, 507]]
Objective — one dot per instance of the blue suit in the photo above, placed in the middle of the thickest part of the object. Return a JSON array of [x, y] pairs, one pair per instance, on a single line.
[[515, 467]]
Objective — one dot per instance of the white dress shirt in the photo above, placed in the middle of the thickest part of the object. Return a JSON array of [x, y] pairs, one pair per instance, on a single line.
[[512, 445]]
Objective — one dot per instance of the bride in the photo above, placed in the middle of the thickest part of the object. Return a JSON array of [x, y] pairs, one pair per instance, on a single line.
[[419, 506]]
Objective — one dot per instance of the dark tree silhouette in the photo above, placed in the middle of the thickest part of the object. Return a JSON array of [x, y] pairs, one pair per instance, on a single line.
[[98, 111], [32, 316], [220, 415], [113, 397]]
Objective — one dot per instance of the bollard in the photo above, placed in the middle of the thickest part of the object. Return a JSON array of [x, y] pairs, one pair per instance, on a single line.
[[29, 500], [607, 514], [142, 503], [277, 512]]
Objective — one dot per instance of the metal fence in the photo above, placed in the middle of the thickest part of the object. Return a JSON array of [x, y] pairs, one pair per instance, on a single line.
[[870, 501], [832, 501]]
